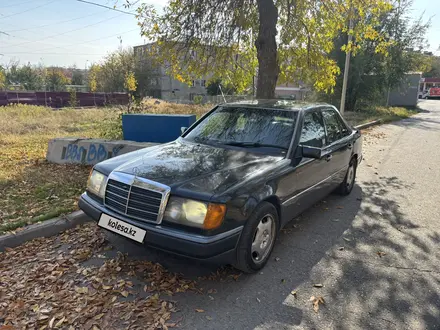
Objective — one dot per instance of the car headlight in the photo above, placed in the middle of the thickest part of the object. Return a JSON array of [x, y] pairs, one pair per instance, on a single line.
[[194, 213], [96, 183]]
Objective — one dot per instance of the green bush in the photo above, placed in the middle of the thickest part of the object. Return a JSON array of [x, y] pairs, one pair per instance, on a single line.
[[198, 99], [73, 100]]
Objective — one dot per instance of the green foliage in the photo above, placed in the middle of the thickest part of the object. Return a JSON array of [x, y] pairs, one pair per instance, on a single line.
[[213, 88], [112, 74], [130, 83], [373, 73], [56, 79], [111, 128], [93, 77], [73, 100], [29, 77], [2, 79], [220, 37], [198, 99], [433, 69], [77, 77]]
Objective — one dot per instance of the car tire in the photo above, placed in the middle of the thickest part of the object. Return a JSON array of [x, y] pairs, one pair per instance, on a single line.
[[347, 185], [257, 239]]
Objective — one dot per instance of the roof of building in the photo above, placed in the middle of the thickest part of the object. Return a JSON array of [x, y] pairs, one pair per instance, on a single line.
[[430, 80], [276, 104]]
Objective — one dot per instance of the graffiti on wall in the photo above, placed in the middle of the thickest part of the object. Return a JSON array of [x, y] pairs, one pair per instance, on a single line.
[[93, 153]]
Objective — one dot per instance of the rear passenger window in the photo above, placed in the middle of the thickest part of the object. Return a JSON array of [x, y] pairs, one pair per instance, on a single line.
[[333, 126], [313, 132]]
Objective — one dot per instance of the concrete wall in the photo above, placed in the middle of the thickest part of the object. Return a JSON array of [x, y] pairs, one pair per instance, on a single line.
[[406, 94], [88, 151]]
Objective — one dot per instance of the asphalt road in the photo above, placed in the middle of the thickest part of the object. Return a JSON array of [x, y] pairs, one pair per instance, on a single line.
[[376, 252]]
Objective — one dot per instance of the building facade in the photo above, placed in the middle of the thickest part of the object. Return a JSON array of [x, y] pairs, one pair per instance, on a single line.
[[166, 87]]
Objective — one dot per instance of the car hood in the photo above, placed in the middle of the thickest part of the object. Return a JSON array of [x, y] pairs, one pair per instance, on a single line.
[[196, 167]]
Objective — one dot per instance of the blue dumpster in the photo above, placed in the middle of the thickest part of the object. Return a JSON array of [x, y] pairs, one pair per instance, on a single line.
[[154, 128]]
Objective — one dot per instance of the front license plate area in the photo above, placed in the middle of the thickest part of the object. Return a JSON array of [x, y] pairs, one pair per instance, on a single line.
[[122, 228]]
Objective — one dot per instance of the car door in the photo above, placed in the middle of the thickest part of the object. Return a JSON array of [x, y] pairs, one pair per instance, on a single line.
[[338, 147], [305, 182]]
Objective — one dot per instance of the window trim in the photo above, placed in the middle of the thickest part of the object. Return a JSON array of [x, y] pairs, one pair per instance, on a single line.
[[323, 123], [334, 110]]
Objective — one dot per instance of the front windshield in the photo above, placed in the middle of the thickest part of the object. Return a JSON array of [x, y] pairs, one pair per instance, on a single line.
[[247, 127]]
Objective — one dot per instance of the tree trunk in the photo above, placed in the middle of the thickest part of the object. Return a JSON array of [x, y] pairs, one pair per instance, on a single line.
[[268, 67]]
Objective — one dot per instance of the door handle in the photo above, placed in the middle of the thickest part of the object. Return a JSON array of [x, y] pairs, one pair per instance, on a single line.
[[328, 157]]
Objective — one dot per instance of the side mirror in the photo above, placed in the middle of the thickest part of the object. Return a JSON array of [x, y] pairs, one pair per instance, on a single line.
[[311, 152], [183, 129]]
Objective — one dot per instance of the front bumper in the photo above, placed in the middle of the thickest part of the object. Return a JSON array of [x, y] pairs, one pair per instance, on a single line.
[[219, 248]]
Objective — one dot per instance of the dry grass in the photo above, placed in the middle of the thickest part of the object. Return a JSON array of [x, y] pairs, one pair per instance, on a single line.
[[161, 107], [387, 114], [33, 189]]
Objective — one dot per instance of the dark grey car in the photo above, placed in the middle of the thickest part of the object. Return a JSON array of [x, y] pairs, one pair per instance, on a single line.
[[224, 189]]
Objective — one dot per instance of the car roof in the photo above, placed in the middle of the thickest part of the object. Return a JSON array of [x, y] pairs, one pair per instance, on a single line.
[[276, 104]]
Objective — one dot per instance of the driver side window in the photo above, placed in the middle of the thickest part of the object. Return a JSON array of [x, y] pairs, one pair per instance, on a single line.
[[333, 125], [313, 132]]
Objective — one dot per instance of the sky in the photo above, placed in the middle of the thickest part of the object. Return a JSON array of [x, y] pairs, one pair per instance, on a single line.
[[69, 32]]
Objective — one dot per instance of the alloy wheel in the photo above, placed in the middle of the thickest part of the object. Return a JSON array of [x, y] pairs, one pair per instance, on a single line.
[[263, 239]]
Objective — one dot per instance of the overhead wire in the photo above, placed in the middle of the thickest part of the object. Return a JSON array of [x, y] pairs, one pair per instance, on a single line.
[[107, 7], [75, 44], [25, 11], [17, 4], [66, 32]]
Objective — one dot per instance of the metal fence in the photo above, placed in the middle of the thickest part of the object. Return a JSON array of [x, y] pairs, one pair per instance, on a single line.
[[211, 99], [62, 99]]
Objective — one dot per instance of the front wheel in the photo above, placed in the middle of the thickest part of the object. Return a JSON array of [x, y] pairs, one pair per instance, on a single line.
[[347, 185], [257, 239]]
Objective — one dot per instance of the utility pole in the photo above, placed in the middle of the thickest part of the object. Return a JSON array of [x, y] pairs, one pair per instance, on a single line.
[[347, 61]]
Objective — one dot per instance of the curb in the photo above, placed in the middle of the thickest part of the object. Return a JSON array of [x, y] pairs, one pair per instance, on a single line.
[[44, 229], [371, 123]]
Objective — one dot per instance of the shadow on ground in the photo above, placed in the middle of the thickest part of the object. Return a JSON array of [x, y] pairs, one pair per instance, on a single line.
[[378, 268], [387, 275], [248, 301]]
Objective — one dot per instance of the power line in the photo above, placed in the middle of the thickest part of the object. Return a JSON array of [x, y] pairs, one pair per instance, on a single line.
[[89, 41], [63, 33], [50, 24], [56, 23], [76, 54], [103, 6], [81, 43], [17, 4], [25, 11]]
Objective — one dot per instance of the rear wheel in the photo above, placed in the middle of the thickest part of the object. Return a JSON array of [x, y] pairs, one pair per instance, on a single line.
[[257, 239], [347, 185]]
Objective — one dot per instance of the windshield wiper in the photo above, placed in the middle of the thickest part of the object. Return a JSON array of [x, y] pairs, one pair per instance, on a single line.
[[253, 145]]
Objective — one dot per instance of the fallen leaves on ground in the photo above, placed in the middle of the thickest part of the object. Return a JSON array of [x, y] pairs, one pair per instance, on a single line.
[[44, 284], [316, 301], [380, 253]]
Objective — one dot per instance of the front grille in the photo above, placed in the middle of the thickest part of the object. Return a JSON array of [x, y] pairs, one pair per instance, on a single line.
[[135, 201]]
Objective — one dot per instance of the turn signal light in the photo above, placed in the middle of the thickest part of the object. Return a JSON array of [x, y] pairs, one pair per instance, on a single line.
[[214, 216]]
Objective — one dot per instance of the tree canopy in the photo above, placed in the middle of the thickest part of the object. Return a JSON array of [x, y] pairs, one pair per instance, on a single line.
[[372, 73], [56, 79], [111, 74], [279, 41]]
